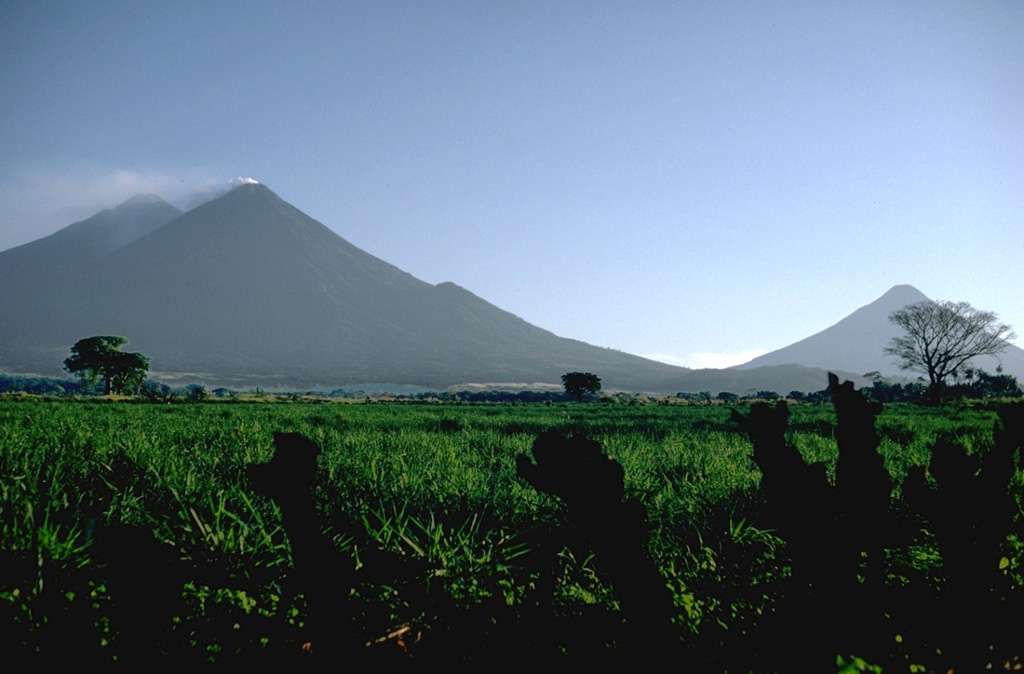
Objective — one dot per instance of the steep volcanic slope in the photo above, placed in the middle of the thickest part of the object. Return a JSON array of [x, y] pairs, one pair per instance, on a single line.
[[856, 343], [247, 287]]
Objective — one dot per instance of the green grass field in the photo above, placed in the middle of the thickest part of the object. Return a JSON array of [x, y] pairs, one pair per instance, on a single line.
[[131, 531]]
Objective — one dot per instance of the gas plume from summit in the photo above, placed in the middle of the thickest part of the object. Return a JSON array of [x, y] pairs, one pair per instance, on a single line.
[[212, 191]]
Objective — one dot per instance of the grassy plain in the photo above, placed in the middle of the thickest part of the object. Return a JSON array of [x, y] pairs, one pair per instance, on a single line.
[[130, 530]]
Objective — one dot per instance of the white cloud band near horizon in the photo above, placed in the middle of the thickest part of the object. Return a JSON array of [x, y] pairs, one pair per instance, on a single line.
[[717, 361]]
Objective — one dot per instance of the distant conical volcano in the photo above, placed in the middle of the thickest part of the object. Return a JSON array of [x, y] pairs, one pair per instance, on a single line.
[[857, 343]]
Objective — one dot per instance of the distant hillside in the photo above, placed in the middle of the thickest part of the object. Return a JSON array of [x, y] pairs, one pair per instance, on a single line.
[[856, 343], [778, 378], [78, 245]]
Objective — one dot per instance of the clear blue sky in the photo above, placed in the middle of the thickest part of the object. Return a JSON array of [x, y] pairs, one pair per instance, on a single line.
[[668, 179]]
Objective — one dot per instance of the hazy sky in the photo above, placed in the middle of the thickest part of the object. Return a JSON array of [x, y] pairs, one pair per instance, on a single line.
[[682, 180]]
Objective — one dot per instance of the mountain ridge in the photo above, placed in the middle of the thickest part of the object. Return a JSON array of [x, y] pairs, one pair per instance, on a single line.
[[100, 234]]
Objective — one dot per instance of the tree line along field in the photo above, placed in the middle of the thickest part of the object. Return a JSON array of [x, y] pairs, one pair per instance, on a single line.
[[131, 532]]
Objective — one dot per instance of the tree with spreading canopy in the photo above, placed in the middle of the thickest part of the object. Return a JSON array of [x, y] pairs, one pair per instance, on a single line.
[[579, 384], [100, 357], [942, 336]]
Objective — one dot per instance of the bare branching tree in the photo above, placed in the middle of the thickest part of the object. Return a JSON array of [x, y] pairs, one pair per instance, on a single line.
[[942, 336]]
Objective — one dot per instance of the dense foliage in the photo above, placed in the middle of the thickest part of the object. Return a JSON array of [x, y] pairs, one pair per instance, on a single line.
[[580, 384], [121, 521], [100, 358]]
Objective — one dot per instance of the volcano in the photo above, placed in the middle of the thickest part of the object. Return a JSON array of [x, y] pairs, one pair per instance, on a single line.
[[857, 343], [248, 289]]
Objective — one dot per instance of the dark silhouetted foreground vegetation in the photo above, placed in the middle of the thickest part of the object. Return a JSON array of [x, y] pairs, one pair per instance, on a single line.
[[136, 533]]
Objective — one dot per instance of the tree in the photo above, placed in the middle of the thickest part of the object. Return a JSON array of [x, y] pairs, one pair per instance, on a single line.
[[942, 336], [579, 384], [101, 357]]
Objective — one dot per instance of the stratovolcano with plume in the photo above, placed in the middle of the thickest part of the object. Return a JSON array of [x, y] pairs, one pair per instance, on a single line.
[[246, 289]]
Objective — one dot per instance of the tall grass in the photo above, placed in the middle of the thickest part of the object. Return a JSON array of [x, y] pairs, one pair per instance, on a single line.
[[422, 499]]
